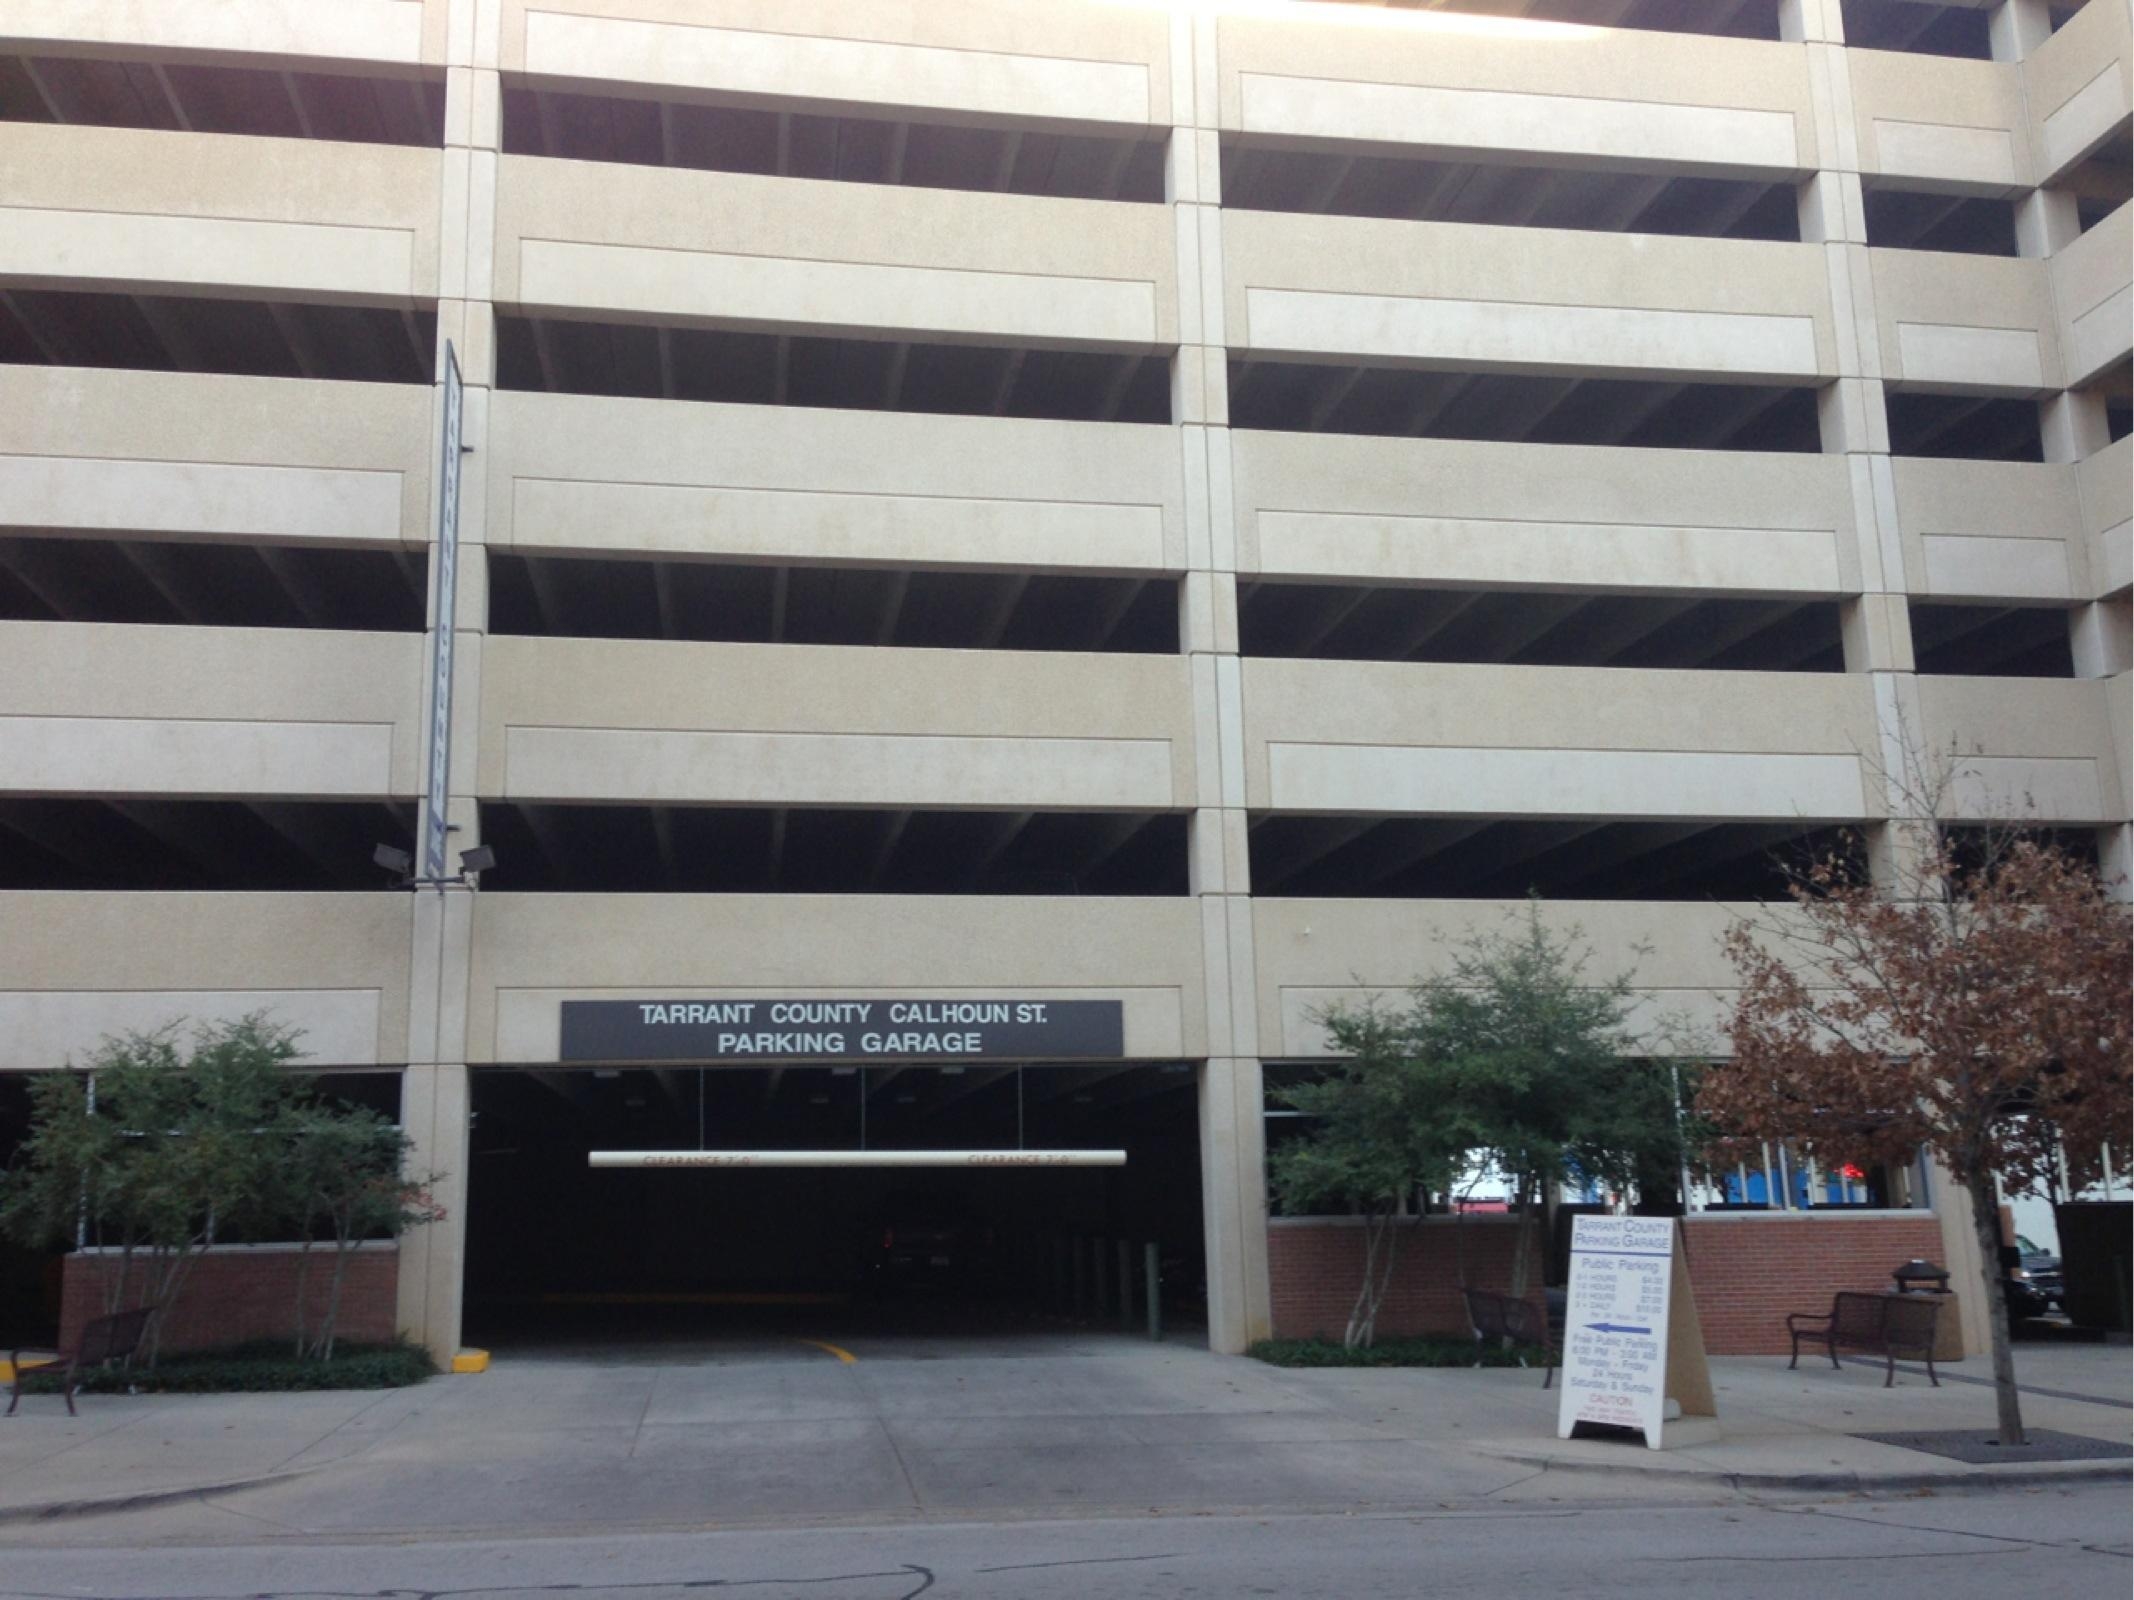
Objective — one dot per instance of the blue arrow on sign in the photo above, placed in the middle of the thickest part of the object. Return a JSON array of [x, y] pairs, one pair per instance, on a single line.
[[1615, 1327]]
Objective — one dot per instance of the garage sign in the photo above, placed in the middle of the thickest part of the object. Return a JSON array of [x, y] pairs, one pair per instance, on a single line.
[[842, 1030]]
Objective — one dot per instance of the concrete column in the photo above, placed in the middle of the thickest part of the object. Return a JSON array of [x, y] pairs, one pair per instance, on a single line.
[[2017, 27], [435, 1089], [1233, 1167], [433, 1110], [1811, 22]]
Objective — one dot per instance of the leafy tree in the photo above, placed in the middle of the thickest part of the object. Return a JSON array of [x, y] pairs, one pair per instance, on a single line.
[[1375, 1147], [1978, 1009], [345, 1173], [1514, 1056], [154, 1150]]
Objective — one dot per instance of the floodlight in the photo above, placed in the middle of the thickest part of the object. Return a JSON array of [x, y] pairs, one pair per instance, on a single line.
[[480, 859], [393, 860]]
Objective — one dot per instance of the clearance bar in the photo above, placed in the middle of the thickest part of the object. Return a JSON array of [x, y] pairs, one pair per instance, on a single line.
[[856, 1158]]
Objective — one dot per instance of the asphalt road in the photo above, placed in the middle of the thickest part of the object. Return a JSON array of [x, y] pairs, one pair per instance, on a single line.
[[2069, 1544]]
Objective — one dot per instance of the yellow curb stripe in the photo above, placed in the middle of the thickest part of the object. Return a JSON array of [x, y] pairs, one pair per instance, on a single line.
[[471, 1361], [846, 1356]]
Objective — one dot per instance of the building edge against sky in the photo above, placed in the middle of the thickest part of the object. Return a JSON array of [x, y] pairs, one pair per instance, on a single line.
[[1181, 508]]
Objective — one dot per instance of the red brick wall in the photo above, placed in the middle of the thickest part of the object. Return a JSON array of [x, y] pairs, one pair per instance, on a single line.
[[1315, 1268], [1750, 1269], [1748, 1272], [247, 1292]]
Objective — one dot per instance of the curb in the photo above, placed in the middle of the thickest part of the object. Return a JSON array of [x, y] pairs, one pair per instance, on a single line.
[[1848, 1482]]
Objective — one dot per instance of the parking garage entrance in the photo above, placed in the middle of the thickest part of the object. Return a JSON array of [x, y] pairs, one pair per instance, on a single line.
[[563, 1254]]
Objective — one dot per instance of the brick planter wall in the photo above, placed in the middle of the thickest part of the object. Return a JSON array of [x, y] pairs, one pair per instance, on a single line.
[[1748, 1271], [1314, 1268], [235, 1293], [1751, 1268]]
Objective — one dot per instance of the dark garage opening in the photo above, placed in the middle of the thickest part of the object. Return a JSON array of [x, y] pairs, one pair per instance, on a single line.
[[563, 1256]]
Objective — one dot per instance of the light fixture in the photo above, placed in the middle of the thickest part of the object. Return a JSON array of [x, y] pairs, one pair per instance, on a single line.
[[480, 859], [393, 860], [401, 864]]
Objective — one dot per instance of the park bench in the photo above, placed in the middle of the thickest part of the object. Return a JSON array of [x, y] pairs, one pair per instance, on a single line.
[[1500, 1316], [103, 1339], [1887, 1325]]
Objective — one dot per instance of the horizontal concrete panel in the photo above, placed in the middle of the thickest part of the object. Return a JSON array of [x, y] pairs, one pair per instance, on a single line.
[[772, 61], [1965, 322], [832, 769], [1520, 515], [767, 523], [2084, 122], [194, 756], [215, 456], [339, 1027], [844, 295], [1938, 122], [200, 499], [1620, 132], [1948, 157], [1392, 737], [2077, 85], [1983, 358], [742, 248], [1486, 333], [130, 208], [2027, 747], [89, 707], [572, 472], [1384, 75], [348, 30], [2091, 286], [1975, 566], [80, 963], [1548, 554], [530, 951], [1543, 299], [2050, 788], [747, 723], [1982, 530], [101, 250], [1448, 781], [1313, 954], [2106, 481]]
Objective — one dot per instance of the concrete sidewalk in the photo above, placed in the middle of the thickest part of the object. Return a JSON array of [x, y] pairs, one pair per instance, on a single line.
[[1054, 1425]]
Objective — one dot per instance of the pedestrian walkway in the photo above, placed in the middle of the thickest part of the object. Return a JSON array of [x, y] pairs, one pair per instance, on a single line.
[[1076, 1426]]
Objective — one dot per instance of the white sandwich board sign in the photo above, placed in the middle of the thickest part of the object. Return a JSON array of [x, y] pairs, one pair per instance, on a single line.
[[1631, 1340]]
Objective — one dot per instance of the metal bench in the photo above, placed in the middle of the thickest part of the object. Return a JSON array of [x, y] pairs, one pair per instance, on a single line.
[[1500, 1316], [1886, 1325], [103, 1339]]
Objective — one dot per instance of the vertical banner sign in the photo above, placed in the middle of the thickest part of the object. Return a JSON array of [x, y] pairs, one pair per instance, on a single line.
[[447, 558], [1616, 1325]]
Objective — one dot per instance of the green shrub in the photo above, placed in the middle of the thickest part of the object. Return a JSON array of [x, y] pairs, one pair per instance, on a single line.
[[1394, 1353], [262, 1367]]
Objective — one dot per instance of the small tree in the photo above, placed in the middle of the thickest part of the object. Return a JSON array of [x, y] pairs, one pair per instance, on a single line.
[[1513, 1056], [1979, 1011], [1375, 1147], [153, 1151], [345, 1172], [1530, 1063]]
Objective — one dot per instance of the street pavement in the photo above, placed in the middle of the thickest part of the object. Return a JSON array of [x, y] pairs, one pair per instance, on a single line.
[[2067, 1543], [896, 1429]]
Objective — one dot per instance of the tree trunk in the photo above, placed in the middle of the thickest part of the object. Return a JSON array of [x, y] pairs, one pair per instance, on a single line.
[[1381, 1249], [1522, 1245], [341, 1251], [1986, 1219], [303, 1280]]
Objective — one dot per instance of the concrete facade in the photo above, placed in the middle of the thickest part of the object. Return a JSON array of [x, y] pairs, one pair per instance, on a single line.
[[515, 255]]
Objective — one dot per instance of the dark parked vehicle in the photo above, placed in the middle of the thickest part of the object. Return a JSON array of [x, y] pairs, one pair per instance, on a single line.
[[930, 1239], [2034, 1285]]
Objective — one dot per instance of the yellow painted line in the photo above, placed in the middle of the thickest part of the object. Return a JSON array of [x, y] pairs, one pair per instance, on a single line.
[[846, 1356], [471, 1361]]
